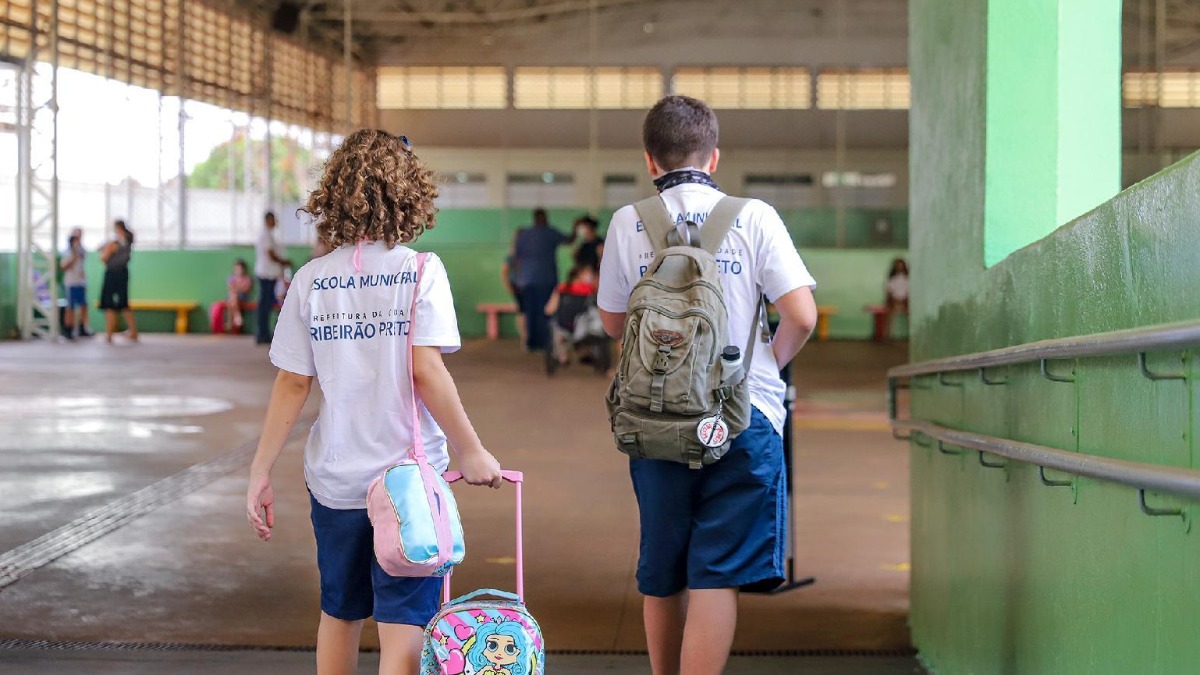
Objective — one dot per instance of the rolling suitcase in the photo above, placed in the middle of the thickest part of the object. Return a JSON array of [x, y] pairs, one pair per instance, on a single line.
[[486, 632]]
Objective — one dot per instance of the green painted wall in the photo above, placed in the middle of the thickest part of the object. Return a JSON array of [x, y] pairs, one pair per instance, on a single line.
[[8, 295], [850, 280], [1010, 576], [197, 275]]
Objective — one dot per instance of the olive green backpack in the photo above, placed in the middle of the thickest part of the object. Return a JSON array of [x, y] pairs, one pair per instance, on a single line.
[[673, 397]]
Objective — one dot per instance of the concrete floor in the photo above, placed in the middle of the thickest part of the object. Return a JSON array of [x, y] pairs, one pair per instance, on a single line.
[[42, 662], [84, 425]]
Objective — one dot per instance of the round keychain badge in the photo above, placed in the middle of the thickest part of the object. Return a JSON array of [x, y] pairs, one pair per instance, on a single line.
[[712, 431]]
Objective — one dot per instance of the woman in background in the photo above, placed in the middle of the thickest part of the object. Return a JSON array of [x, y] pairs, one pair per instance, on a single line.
[[114, 292], [897, 293]]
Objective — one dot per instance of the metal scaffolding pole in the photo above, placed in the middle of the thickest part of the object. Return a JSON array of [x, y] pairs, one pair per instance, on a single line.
[[348, 61], [595, 182], [37, 180], [181, 59], [839, 195]]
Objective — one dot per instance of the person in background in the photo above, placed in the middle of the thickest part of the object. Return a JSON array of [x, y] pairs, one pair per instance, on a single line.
[[581, 283], [238, 287], [269, 261], [508, 275], [75, 283], [535, 252], [896, 291], [114, 292], [591, 247]]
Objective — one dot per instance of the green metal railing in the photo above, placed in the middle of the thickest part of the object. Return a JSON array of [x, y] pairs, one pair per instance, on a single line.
[[1141, 476]]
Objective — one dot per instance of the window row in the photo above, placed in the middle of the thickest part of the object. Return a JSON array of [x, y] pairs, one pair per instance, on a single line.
[[489, 87], [1178, 88], [793, 88]]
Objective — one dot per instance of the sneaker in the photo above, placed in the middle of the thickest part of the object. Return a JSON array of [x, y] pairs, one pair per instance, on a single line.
[[83, 332]]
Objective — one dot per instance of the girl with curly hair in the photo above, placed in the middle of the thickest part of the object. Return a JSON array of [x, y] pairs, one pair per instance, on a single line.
[[346, 321]]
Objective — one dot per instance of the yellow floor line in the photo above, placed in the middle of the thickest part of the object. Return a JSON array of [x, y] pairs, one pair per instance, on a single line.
[[841, 424]]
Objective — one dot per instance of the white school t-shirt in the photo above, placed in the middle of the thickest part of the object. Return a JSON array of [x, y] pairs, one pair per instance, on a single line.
[[756, 257], [348, 328]]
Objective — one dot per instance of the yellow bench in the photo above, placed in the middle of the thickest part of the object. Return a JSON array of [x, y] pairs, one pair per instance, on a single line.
[[181, 308], [823, 314]]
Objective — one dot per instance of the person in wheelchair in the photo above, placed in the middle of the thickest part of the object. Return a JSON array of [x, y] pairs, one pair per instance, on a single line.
[[575, 322]]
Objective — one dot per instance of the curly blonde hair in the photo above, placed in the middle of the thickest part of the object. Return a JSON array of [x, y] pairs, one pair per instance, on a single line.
[[373, 188]]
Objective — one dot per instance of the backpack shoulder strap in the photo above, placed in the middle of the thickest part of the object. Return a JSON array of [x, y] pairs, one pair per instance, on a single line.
[[657, 221], [760, 331], [719, 221]]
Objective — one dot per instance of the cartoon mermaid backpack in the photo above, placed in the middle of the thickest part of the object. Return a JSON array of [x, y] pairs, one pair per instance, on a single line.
[[485, 632]]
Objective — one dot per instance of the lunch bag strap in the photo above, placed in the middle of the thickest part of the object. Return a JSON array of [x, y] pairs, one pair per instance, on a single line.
[[429, 476]]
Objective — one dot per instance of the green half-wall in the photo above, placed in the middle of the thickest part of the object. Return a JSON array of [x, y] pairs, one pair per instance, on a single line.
[[473, 244], [1011, 576]]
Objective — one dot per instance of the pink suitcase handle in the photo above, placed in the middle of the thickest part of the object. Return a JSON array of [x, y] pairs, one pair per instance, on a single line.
[[518, 479]]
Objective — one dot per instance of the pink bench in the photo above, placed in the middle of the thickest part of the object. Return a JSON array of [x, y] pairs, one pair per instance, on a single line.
[[492, 311]]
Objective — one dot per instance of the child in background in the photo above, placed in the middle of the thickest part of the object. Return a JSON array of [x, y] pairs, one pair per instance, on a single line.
[[75, 281], [351, 333], [569, 302], [896, 291], [580, 284], [238, 285]]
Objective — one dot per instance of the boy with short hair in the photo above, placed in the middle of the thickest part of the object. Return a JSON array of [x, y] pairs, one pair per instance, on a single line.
[[706, 533]]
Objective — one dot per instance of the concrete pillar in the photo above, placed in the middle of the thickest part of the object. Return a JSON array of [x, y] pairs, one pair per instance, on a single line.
[[1014, 130], [1053, 116]]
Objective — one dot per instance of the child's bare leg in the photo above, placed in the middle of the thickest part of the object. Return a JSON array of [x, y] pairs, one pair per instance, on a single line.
[[399, 649], [130, 324], [231, 309], [711, 620], [110, 324], [337, 646], [664, 631]]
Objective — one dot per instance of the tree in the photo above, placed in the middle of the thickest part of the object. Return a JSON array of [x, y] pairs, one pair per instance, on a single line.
[[289, 168]]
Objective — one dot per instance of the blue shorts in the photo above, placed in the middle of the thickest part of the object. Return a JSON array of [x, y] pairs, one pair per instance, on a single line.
[[76, 296], [353, 585], [722, 526]]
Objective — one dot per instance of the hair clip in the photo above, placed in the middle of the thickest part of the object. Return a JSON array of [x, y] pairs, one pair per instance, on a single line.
[[403, 139]]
